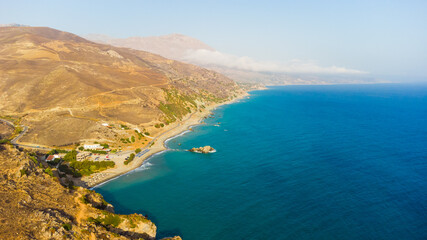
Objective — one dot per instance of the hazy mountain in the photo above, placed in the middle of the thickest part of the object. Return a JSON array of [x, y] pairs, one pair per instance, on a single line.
[[62, 84], [242, 69], [13, 25], [174, 46]]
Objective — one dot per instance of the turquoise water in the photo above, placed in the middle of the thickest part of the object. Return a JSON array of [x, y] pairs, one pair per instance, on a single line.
[[295, 162]]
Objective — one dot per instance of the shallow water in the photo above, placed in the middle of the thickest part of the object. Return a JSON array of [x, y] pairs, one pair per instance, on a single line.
[[295, 162]]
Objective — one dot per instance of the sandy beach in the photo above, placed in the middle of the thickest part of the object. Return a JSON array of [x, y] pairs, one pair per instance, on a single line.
[[157, 145]]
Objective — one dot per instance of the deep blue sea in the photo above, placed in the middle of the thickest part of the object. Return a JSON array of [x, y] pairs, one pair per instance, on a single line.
[[293, 162]]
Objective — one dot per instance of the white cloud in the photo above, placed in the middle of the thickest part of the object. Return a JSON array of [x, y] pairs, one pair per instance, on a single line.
[[207, 57]]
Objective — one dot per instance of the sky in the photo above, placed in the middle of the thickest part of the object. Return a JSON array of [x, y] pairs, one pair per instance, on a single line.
[[360, 37]]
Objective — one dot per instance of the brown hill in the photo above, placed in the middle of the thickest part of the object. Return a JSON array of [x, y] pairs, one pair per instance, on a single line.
[[62, 85]]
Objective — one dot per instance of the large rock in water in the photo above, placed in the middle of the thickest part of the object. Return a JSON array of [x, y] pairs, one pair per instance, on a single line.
[[205, 149]]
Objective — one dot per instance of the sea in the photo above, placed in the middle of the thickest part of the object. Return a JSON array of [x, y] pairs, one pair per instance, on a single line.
[[292, 162]]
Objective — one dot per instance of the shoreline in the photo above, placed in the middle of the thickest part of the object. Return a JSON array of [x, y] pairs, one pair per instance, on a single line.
[[158, 146]]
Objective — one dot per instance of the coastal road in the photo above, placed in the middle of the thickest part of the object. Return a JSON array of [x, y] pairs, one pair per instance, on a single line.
[[14, 141]]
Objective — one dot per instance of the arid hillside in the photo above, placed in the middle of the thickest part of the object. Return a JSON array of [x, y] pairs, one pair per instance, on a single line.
[[34, 205], [63, 86]]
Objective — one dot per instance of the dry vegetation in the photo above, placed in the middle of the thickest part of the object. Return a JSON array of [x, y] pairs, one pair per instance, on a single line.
[[63, 86]]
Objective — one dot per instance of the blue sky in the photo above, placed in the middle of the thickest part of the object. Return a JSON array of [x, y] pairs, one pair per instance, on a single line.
[[379, 37]]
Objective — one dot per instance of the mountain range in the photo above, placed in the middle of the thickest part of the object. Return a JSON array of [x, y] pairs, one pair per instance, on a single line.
[[242, 69]]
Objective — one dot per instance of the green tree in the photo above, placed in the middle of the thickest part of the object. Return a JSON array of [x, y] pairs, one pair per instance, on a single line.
[[138, 150], [130, 159], [71, 156]]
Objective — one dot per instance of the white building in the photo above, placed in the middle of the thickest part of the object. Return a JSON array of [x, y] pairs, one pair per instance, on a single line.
[[105, 124], [92, 146]]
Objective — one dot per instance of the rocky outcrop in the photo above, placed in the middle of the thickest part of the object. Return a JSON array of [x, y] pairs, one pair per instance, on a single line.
[[172, 238], [205, 149], [97, 201]]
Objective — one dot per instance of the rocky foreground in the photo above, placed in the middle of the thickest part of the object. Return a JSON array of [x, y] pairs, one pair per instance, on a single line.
[[205, 149], [34, 205]]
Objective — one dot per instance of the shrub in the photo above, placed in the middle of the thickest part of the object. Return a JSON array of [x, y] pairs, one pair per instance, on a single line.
[[81, 148], [66, 226], [23, 172], [133, 138], [54, 162], [69, 170], [108, 220], [48, 171], [138, 150], [34, 159], [124, 127]]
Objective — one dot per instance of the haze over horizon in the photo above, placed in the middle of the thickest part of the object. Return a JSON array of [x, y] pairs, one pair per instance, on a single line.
[[367, 37]]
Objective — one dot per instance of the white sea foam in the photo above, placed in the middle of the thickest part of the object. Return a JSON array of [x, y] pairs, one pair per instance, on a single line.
[[175, 136], [143, 167]]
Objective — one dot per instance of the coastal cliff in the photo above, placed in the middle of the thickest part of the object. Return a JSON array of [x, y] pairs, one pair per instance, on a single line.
[[34, 205]]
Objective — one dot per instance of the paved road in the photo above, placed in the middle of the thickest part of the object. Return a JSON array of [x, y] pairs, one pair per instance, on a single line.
[[14, 141]]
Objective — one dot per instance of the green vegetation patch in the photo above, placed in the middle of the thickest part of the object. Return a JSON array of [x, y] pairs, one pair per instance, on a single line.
[[71, 156], [105, 145], [109, 220], [86, 167], [124, 127], [56, 151], [159, 125], [48, 171], [177, 105]]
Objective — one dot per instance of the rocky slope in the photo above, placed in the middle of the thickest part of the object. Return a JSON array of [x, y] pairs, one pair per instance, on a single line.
[[62, 86], [35, 205]]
